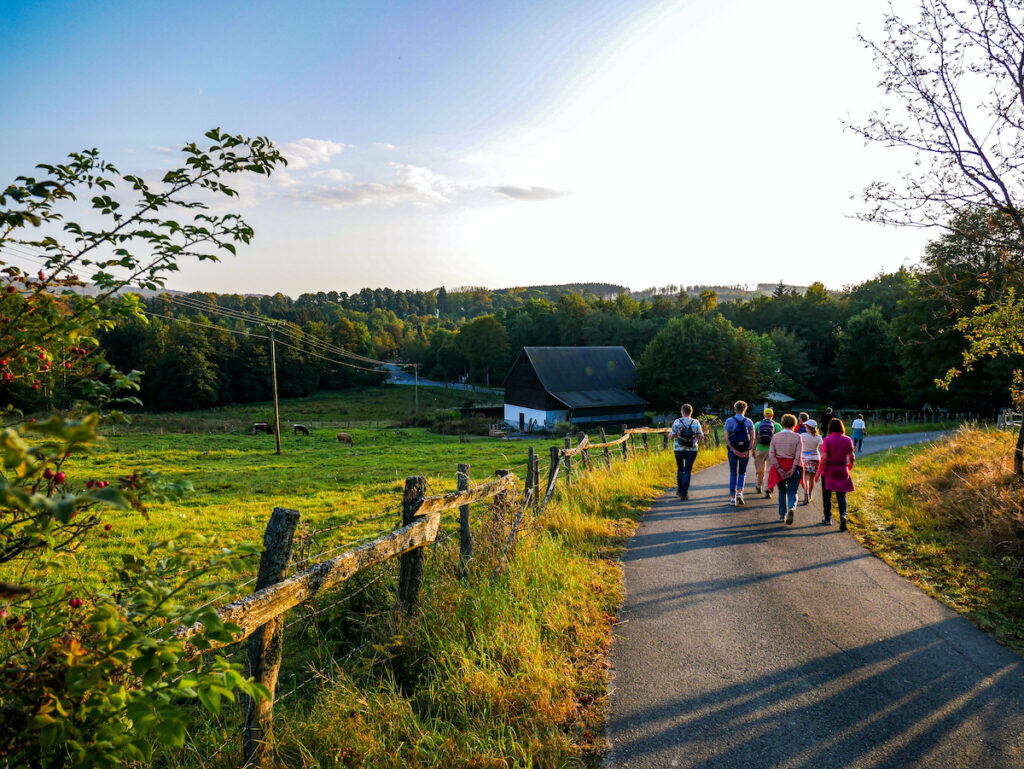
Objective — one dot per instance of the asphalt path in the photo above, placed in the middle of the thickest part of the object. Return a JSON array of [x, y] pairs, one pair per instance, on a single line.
[[744, 642], [401, 375]]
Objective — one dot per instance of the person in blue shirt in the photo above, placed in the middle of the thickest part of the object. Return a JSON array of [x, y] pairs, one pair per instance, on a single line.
[[739, 440]]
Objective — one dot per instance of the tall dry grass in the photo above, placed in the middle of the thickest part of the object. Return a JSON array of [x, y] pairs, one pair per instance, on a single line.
[[950, 516], [492, 671]]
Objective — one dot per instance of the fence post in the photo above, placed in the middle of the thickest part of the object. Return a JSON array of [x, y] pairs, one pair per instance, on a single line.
[[568, 462], [411, 573], [265, 646], [607, 453], [664, 441], [632, 440], [714, 429], [643, 437], [585, 453], [554, 466], [625, 444], [465, 538], [536, 482], [501, 500], [528, 486]]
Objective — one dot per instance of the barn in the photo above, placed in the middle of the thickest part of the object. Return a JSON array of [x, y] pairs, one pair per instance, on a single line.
[[587, 386]]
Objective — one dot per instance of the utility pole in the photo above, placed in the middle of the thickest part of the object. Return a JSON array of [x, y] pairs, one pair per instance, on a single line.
[[273, 372]]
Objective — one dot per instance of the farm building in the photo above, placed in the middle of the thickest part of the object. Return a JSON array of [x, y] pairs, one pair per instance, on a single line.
[[588, 386]]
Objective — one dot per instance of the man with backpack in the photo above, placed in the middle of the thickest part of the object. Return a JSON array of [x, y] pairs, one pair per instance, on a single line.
[[739, 438], [764, 431], [686, 435]]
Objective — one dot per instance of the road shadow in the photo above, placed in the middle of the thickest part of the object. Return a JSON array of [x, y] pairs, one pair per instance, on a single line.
[[893, 703]]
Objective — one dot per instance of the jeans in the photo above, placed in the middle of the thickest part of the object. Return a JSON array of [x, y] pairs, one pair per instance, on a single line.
[[826, 503], [737, 473], [684, 468], [786, 490]]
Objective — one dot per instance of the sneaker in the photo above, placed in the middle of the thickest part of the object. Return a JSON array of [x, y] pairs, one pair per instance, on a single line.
[[768, 494], [782, 519], [757, 489], [826, 521], [807, 500], [789, 516], [842, 524], [739, 500], [683, 497], [732, 501]]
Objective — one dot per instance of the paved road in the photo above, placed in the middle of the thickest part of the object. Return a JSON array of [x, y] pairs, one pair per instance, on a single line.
[[405, 376], [749, 644]]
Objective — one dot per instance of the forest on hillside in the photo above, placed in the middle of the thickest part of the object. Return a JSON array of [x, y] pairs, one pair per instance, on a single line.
[[881, 343]]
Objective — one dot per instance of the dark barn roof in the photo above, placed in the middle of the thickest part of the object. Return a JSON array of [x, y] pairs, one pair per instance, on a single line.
[[586, 377]]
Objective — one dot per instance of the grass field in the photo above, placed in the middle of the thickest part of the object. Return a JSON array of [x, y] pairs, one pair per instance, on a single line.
[[950, 517]]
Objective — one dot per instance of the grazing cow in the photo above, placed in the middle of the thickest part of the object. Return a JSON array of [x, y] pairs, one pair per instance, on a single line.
[[346, 438], [296, 429], [262, 427]]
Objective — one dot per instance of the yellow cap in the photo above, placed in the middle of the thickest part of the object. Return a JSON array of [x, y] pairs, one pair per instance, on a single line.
[[769, 412]]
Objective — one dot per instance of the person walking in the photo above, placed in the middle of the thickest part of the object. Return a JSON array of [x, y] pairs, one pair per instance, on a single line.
[[860, 429], [785, 459], [801, 422], [824, 421], [811, 458], [686, 435], [739, 438], [837, 458], [764, 431]]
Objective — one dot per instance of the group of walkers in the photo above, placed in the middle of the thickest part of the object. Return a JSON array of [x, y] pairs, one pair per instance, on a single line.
[[787, 455]]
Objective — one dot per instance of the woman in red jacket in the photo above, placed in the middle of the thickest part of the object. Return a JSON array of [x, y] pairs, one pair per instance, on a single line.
[[837, 458]]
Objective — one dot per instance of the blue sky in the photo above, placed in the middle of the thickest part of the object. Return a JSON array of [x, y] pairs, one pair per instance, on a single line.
[[642, 143]]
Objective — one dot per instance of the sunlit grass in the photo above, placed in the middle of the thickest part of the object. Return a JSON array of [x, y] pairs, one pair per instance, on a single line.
[[950, 516]]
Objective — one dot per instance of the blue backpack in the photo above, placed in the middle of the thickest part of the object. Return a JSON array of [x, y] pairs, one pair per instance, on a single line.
[[738, 436]]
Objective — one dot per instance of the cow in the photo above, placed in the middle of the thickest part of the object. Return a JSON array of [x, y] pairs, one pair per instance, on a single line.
[[346, 438], [262, 427], [296, 429]]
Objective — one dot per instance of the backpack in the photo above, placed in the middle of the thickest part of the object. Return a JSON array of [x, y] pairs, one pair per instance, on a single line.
[[738, 436], [687, 434], [765, 431]]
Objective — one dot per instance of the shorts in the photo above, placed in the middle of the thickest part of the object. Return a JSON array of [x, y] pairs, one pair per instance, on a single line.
[[811, 466]]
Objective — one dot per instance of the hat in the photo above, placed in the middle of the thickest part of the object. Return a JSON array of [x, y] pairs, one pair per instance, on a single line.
[[769, 412], [811, 423]]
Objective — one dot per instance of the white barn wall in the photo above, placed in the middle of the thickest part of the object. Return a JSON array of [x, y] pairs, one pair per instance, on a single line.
[[540, 418]]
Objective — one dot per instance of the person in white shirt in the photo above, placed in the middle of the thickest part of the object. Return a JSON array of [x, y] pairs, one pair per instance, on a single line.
[[686, 435], [811, 457], [860, 429]]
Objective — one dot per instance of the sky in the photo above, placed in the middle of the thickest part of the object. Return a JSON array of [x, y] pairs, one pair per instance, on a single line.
[[497, 144]]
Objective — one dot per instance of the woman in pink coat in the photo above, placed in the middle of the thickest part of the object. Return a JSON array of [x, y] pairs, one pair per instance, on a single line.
[[837, 458]]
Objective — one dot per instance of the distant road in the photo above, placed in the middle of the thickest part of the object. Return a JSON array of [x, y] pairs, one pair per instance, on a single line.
[[747, 643], [404, 376]]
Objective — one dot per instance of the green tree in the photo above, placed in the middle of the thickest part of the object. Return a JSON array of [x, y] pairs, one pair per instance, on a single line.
[[867, 361], [483, 342], [708, 362]]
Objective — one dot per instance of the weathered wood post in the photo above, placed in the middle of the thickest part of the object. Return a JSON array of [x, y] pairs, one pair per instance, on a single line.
[[266, 645], [568, 462], [632, 440], [528, 487], [501, 501], [536, 482], [553, 468], [465, 538], [664, 441], [715, 431], [607, 453], [643, 437], [625, 444], [411, 572], [585, 452]]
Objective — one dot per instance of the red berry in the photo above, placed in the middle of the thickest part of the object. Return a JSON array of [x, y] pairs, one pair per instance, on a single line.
[[67, 364], [73, 603], [35, 387], [47, 473], [33, 419], [8, 376], [89, 484], [59, 477], [11, 289], [108, 527], [42, 275], [3, 362], [104, 484]]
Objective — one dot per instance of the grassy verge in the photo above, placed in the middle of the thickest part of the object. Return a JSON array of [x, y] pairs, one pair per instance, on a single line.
[[950, 517], [505, 671], [899, 429]]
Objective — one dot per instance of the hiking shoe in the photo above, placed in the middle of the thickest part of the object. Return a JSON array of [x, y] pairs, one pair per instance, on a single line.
[[842, 524], [789, 516], [757, 489], [826, 521]]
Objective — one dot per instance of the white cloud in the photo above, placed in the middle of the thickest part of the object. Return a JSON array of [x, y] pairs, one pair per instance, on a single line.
[[528, 193], [386, 146], [332, 174], [474, 159], [310, 152]]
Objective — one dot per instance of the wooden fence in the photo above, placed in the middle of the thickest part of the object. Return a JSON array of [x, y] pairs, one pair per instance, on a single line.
[[259, 616]]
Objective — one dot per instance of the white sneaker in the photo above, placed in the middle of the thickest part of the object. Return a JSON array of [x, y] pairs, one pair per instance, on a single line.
[[732, 501], [739, 500]]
